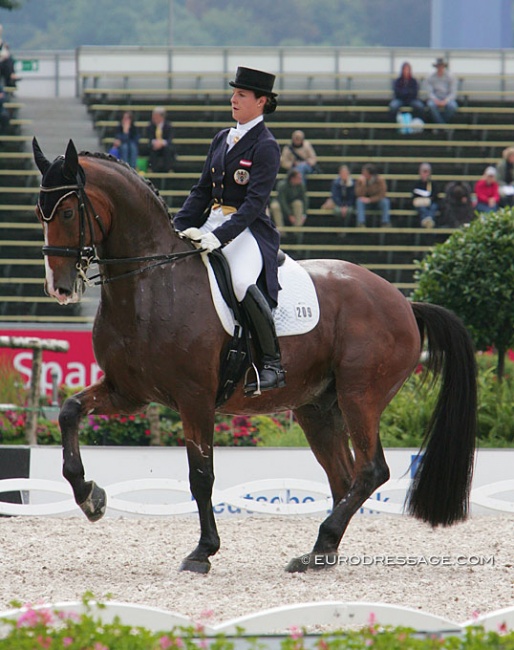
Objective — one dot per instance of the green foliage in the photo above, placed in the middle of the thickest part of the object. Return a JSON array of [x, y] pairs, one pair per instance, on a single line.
[[38, 23], [9, 4], [403, 422], [280, 430], [407, 416], [55, 630], [496, 404], [472, 274]]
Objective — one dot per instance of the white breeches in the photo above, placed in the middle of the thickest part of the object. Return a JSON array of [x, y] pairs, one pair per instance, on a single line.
[[242, 253]]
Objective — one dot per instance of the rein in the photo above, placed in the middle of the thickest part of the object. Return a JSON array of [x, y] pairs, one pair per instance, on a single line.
[[86, 254]]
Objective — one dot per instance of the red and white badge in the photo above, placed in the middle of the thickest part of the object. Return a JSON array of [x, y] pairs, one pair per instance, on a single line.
[[245, 163], [242, 176]]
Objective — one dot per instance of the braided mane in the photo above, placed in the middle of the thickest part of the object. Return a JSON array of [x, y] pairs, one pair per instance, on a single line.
[[107, 156]]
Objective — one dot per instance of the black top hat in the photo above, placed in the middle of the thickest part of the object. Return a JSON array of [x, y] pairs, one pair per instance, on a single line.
[[255, 80], [439, 61]]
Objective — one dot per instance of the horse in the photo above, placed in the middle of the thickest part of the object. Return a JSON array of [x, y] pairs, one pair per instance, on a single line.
[[158, 338]]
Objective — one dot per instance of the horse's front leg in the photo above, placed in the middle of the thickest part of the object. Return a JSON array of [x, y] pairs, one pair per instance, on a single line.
[[199, 434], [96, 399]]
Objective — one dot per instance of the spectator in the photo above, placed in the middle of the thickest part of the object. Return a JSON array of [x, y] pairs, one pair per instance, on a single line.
[[299, 154], [127, 139], [486, 191], [458, 205], [161, 149], [4, 114], [291, 203], [371, 190], [505, 177], [405, 90], [6, 64], [424, 197], [342, 195], [441, 93]]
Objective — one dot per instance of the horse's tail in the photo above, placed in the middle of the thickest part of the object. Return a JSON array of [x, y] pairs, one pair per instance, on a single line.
[[439, 493]]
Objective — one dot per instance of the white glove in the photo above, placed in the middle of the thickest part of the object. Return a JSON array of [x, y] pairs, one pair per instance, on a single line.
[[195, 234], [209, 242]]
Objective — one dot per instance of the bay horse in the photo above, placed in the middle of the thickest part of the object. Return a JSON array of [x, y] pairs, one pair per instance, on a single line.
[[157, 338]]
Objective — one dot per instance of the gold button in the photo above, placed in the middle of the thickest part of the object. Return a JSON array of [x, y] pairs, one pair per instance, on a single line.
[[213, 170]]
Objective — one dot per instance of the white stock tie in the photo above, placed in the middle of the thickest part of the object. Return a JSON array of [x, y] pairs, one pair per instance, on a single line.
[[233, 137]]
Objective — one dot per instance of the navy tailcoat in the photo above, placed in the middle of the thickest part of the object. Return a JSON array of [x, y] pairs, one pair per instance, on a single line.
[[242, 178]]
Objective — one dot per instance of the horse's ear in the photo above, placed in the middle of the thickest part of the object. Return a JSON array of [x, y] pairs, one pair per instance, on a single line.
[[41, 160], [71, 162]]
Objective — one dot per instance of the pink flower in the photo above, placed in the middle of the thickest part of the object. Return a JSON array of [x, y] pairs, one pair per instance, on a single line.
[[100, 646], [295, 632], [44, 642], [67, 641], [502, 628], [165, 642]]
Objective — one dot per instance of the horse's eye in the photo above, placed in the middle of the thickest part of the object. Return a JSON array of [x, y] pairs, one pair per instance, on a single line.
[[67, 214]]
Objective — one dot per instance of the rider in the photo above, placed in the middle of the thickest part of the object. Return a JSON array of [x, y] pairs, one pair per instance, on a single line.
[[237, 178]]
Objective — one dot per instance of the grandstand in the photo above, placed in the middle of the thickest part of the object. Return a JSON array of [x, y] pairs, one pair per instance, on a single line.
[[345, 123]]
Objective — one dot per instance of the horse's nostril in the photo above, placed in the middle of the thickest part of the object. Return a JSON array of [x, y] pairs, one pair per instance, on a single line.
[[64, 292]]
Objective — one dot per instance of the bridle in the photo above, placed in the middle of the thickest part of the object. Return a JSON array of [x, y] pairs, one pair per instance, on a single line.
[[85, 254]]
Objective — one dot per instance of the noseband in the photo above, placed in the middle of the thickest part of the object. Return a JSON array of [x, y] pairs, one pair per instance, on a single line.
[[85, 255]]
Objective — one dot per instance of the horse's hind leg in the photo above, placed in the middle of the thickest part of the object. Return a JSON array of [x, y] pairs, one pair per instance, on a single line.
[[325, 429], [95, 399], [369, 472]]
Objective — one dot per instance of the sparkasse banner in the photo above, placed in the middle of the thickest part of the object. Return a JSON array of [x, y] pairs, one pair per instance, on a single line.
[[76, 368]]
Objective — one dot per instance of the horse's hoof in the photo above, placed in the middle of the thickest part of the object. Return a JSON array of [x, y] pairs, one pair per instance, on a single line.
[[195, 566], [298, 564], [314, 561], [95, 504]]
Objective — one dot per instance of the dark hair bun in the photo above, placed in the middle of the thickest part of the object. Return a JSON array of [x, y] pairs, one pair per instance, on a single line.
[[270, 106]]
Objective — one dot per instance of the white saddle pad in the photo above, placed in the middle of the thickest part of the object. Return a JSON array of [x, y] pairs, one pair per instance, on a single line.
[[297, 311]]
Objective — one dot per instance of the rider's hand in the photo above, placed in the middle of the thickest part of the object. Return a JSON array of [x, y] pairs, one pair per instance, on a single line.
[[194, 234], [207, 241]]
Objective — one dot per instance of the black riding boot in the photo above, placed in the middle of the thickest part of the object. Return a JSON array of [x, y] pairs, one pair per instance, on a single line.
[[263, 331]]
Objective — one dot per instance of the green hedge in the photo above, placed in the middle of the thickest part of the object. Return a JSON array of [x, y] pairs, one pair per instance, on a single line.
[[54, 630], [402, 425]]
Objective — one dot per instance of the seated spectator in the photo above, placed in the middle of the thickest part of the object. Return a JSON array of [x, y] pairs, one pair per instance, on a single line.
[[405, 90], [4, 113], [371, 190], [161, 157], [6, 64], [458, 204], [442, 93], [505, 177], [424, 197], [486, 192], [342, 195], [126, 139], [299, 154], [291, 204]]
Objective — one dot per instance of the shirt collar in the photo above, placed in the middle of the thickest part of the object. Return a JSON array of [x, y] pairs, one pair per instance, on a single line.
[[249, 125]]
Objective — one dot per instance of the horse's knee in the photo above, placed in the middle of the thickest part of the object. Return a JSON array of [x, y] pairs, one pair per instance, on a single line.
[[69, 414]]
